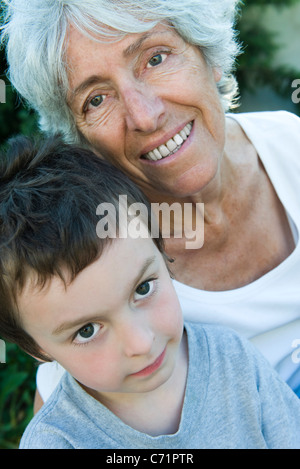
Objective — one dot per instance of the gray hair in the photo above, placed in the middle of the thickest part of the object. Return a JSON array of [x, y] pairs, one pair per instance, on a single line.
[[35, 33]]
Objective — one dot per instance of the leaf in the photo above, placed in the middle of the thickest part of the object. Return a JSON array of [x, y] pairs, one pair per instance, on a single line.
[[11, 384]]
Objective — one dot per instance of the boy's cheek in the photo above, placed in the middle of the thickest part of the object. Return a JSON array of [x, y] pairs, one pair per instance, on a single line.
[[171, 314]]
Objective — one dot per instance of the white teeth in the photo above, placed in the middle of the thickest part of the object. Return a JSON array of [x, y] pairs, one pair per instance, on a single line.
[[151, 156], [157, 154], [183, 134], [178, 140], [188, 129], [171, 146], [163, 150]]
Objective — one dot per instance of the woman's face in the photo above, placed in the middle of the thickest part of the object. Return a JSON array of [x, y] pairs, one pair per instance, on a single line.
[[149, 104]]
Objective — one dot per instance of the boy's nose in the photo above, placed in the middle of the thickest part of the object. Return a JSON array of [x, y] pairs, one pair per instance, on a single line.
[[143, 108], [137, 339]]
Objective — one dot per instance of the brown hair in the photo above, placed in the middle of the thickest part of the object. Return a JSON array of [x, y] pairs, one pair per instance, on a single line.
[[49, 193]]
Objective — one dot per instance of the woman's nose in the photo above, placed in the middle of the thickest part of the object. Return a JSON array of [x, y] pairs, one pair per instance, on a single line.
[[144, 110]]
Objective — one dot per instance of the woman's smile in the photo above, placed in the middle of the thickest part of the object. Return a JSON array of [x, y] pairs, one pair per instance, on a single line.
[[171, 146]]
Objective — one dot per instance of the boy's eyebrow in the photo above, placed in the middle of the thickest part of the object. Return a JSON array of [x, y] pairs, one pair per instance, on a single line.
[[65, 326], [144, 268]]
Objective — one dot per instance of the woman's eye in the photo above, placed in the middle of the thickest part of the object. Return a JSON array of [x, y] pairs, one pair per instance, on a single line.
[[144, 289], [96, 101], [156, 60], [87, 333]]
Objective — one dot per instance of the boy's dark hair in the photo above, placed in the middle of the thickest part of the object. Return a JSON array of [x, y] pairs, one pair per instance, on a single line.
[[49, 192]]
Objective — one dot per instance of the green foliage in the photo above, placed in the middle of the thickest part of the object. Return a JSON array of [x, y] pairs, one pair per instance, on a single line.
[[14, 117], [17, 388], [276, 3], [256, 65]]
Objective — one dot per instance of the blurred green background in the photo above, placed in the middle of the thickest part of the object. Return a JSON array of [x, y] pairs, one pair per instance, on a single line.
[[269, 31]]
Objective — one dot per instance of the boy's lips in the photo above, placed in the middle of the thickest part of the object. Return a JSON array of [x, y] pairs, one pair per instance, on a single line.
[[169, 147], [153, 367]]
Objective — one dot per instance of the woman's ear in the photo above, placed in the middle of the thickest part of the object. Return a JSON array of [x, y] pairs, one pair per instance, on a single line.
[[217, 73]]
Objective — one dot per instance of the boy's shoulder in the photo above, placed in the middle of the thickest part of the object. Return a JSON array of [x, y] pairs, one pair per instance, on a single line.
[[65, 421], [43, 430], [223, 348], [218, 336], [72, 419]]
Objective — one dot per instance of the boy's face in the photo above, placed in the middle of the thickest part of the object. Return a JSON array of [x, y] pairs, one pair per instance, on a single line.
[[117, 327]]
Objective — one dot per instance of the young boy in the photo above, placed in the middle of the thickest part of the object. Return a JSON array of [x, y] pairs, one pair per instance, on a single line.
[[105, 309]]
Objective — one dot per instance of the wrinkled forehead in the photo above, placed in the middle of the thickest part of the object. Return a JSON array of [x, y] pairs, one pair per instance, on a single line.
[[77, 38]]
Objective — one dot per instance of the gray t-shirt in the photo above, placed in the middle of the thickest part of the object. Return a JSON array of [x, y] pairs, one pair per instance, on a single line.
[[233, 399]]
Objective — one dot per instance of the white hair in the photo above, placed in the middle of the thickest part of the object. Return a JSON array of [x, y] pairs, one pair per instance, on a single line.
[[35, 34]]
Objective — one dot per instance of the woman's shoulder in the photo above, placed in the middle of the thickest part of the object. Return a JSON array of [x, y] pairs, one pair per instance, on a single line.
[[273, 133], [267, 120]]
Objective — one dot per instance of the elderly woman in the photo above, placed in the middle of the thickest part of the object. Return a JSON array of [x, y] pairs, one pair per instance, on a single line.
[[148, 85]]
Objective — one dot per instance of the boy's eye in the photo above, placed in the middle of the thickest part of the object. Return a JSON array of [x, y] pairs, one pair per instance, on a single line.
[[87, 332], [144, 289], [156, 60]]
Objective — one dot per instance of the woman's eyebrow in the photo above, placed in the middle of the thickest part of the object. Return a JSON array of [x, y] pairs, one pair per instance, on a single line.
[[132, 48], [82, 87]]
